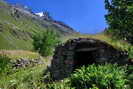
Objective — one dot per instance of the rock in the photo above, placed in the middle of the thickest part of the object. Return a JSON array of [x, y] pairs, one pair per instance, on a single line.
[[24, 62], [83, 51]]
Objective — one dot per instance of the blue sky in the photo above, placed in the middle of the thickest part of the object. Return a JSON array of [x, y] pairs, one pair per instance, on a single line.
[[86, 16]]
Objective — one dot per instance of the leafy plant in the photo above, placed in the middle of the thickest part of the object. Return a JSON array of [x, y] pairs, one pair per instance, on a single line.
[[59, 85], [45, 42], [99, 77]]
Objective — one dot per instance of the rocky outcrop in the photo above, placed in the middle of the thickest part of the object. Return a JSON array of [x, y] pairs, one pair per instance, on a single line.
[[83, 51]]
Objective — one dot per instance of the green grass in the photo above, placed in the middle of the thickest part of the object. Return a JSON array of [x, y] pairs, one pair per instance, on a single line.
[[118, 44], [29, 78], [23, 78], [17, 54], [32, 78], [17, 33]]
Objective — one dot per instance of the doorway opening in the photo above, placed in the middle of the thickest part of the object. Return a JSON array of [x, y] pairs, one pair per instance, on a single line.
[[84, 55]]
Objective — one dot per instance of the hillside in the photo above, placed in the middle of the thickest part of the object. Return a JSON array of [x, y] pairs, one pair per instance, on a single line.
[[32, 77], [18, 25]]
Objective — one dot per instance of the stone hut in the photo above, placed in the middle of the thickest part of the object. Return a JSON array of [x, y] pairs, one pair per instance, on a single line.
[[83, 51]]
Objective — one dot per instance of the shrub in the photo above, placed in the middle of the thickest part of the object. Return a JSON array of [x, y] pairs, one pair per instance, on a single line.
[[45, 42], [99, 77]]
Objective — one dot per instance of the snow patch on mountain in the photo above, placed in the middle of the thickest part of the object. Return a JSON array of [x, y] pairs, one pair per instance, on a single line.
[[41, 14]]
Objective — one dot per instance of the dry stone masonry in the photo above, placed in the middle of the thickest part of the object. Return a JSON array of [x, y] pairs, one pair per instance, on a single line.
[[24, 62], [83, 51]]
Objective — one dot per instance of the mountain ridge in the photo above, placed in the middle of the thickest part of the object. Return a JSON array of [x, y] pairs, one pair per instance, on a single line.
[[18, 25]]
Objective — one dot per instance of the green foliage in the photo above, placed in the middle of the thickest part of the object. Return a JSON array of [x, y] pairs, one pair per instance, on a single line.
[[4, 64], [130, 76], [45, 42], [29, 78], [64, 84], [99, 77], [119, 18]]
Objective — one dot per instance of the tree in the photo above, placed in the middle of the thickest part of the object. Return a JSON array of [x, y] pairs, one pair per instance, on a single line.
[[120, 18], [44, 43]]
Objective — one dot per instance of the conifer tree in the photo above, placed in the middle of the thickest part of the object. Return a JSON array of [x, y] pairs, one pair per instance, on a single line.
[[120, 18]]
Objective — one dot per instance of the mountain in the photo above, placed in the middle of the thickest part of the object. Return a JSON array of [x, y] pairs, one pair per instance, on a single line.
[[18, 24]]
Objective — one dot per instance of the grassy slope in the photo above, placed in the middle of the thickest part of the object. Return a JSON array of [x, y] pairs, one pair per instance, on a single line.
[[16, 33]]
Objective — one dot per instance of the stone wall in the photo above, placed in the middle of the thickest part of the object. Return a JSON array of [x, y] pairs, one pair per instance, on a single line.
[[64, 62], [24, 62]]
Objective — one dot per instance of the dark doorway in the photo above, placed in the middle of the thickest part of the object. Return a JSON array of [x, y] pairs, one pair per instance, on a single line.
[[83, 58]]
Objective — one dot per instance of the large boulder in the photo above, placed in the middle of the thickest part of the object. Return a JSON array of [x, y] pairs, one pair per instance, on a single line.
[[83, 51]]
